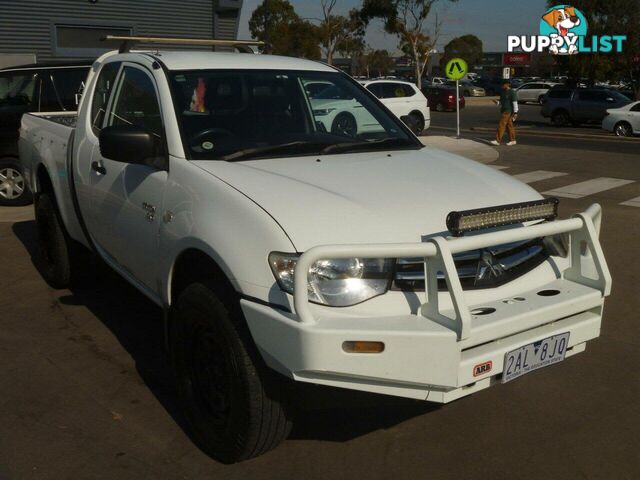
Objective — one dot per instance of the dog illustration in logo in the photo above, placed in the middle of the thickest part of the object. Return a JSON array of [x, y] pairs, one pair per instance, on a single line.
[[563, 19]]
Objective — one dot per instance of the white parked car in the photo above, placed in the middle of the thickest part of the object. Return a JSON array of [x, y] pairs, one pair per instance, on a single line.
[[403, 99], [438, 81], [279, 248], [623, 121], [533, 91], [337, 111]]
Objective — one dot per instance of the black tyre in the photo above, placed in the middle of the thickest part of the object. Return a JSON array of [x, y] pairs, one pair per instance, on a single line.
[[466, 93], [345, 125], [541, 99], [418, 122], [13, 188], [560, 118], [55, 259], [623, 129], [231, 400], [439, 107]]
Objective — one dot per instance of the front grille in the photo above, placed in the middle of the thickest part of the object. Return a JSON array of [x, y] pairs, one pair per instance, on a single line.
[[486, 268]]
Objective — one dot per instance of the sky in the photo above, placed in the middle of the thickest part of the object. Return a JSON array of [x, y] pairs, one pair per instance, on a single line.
[[489, 20]]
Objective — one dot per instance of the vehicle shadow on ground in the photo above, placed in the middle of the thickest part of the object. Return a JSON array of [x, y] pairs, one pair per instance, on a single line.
[[323, 413]]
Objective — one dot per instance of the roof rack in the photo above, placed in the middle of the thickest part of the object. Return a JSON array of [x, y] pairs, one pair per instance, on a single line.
[[243, 46]]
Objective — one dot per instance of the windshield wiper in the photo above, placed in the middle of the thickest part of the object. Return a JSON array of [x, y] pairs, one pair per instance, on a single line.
[[258, 151], [350, 146]]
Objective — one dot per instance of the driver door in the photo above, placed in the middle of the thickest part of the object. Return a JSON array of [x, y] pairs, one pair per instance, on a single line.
[[127, 198]]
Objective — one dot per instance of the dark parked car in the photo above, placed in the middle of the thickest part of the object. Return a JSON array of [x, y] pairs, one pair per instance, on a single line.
[[492, 86], [31, 88], [442, 99], [580, 105]]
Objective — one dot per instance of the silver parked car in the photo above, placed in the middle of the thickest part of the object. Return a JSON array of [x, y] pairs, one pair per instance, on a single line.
[[623, 121], [468, 89], [533, 91]]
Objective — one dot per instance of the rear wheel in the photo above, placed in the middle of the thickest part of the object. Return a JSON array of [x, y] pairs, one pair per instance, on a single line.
[[13, 188], [439, 107], [418, 121], [623, 129], [231, 400], [560, 118], [53, 243]]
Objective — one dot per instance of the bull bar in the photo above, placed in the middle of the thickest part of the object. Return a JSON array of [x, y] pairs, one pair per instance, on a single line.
[[583, 230]]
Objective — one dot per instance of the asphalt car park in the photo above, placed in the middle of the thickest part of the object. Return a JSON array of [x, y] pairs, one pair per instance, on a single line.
[[87, 390]]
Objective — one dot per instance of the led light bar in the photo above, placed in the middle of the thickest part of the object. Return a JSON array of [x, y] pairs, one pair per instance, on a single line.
[[469, 220]]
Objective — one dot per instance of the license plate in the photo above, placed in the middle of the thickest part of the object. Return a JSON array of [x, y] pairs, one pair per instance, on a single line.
[[534, 356]]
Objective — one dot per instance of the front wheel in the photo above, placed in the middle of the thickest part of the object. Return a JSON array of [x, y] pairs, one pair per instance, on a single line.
[[345, 125], [232, 402], [13, 188], [53, 243], [623, 129], [439, 107]]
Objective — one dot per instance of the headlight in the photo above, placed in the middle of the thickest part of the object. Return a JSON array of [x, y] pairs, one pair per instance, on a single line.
[[336, 282], [323, 111]]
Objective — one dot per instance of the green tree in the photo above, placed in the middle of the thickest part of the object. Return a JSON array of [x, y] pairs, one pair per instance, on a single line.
[[467, 47], [338, 31], [376, 63], [276, 23], [408, 20]]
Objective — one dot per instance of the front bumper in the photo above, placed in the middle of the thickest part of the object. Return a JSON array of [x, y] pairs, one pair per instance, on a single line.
[[432, 355]]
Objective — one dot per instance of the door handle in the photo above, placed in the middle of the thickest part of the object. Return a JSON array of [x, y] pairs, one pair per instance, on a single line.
[[98, 168]]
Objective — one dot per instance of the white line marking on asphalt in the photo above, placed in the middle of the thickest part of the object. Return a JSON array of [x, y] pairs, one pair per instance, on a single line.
[[582, 189], [634, 202], [499, 167], [537, 175]]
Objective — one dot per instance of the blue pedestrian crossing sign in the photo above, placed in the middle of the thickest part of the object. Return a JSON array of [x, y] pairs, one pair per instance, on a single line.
[[456, 69]]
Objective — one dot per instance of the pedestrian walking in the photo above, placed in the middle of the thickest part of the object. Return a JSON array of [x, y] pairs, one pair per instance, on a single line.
[[508, 112]]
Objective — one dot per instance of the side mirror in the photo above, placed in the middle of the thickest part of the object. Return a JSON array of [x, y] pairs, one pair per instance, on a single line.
[[130, 144]]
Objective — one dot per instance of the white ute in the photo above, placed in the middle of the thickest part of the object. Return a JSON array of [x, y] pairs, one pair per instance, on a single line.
[[274, 244]]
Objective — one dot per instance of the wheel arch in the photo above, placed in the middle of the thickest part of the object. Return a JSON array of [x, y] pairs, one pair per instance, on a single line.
[[42, 181], [417, 112], [192, 265]]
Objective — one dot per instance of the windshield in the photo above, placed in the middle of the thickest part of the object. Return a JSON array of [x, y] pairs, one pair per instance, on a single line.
[[247, 114], [17, 89]]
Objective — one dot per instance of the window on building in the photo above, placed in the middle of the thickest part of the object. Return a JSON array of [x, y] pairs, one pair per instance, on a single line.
[[85, 40]]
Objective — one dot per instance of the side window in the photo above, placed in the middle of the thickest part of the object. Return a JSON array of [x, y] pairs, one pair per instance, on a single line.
[[636, 108], [408, 91], [559, 93], [17, 88], [136, 102], [48, 101], [104, 85], [376, 89], [67, 83], [388, 90], [591, 96]]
